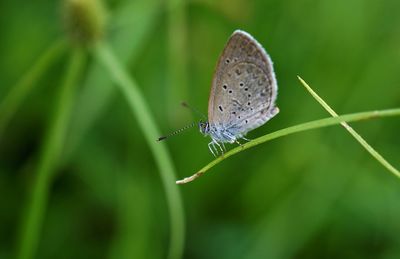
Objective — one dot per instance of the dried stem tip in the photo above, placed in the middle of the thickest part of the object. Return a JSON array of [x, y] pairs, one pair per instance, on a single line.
[[190, 178], [84, 20]]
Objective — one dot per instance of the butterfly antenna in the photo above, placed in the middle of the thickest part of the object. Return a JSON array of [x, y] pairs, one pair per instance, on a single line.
[[186, 105], [177, 131]]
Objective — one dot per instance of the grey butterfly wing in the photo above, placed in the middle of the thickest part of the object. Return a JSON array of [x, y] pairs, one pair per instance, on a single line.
[[244, 87]]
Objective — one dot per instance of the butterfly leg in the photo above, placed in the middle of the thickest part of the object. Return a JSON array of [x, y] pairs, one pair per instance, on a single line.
[[211, 146], [246, 139], [240, 144], [215, 143], [222, 151], [223, 146]]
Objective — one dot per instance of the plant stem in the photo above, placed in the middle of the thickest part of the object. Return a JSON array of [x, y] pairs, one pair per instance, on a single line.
[[295, 129], [177, 54], [48, 158], [18, 92], [357, 136], [142, 113]]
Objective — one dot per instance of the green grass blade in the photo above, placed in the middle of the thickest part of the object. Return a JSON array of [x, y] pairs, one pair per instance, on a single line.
[[177, 58], [291, 130], [17, 94], [145, 120], [48, 159], [97, 91], [357, 136]]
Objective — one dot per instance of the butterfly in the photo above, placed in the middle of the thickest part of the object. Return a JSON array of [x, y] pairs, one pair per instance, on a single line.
[[243, 92]]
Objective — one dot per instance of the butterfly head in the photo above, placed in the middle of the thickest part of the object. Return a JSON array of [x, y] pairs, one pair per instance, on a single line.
[[204, 127]]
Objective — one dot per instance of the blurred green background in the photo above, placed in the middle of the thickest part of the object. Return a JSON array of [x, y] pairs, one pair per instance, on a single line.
[[317, 194]]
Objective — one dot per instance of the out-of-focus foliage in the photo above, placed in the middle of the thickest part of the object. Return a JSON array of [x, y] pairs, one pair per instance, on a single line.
[[313, 195]]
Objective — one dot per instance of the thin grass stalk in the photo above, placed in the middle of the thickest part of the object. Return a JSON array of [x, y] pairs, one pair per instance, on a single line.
[[49, 156], [177, 55], [11, 102], [291, 130], [145, 120], [357, 136]]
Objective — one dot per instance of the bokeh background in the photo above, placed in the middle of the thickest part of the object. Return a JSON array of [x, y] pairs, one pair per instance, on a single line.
[[317, 194]]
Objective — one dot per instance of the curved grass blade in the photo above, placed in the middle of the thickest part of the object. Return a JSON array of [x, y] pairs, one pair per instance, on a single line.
[[294, 129], [17, 94], [145, 120], [127, 39], [49, 157], [177, 58], [357, 136]]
